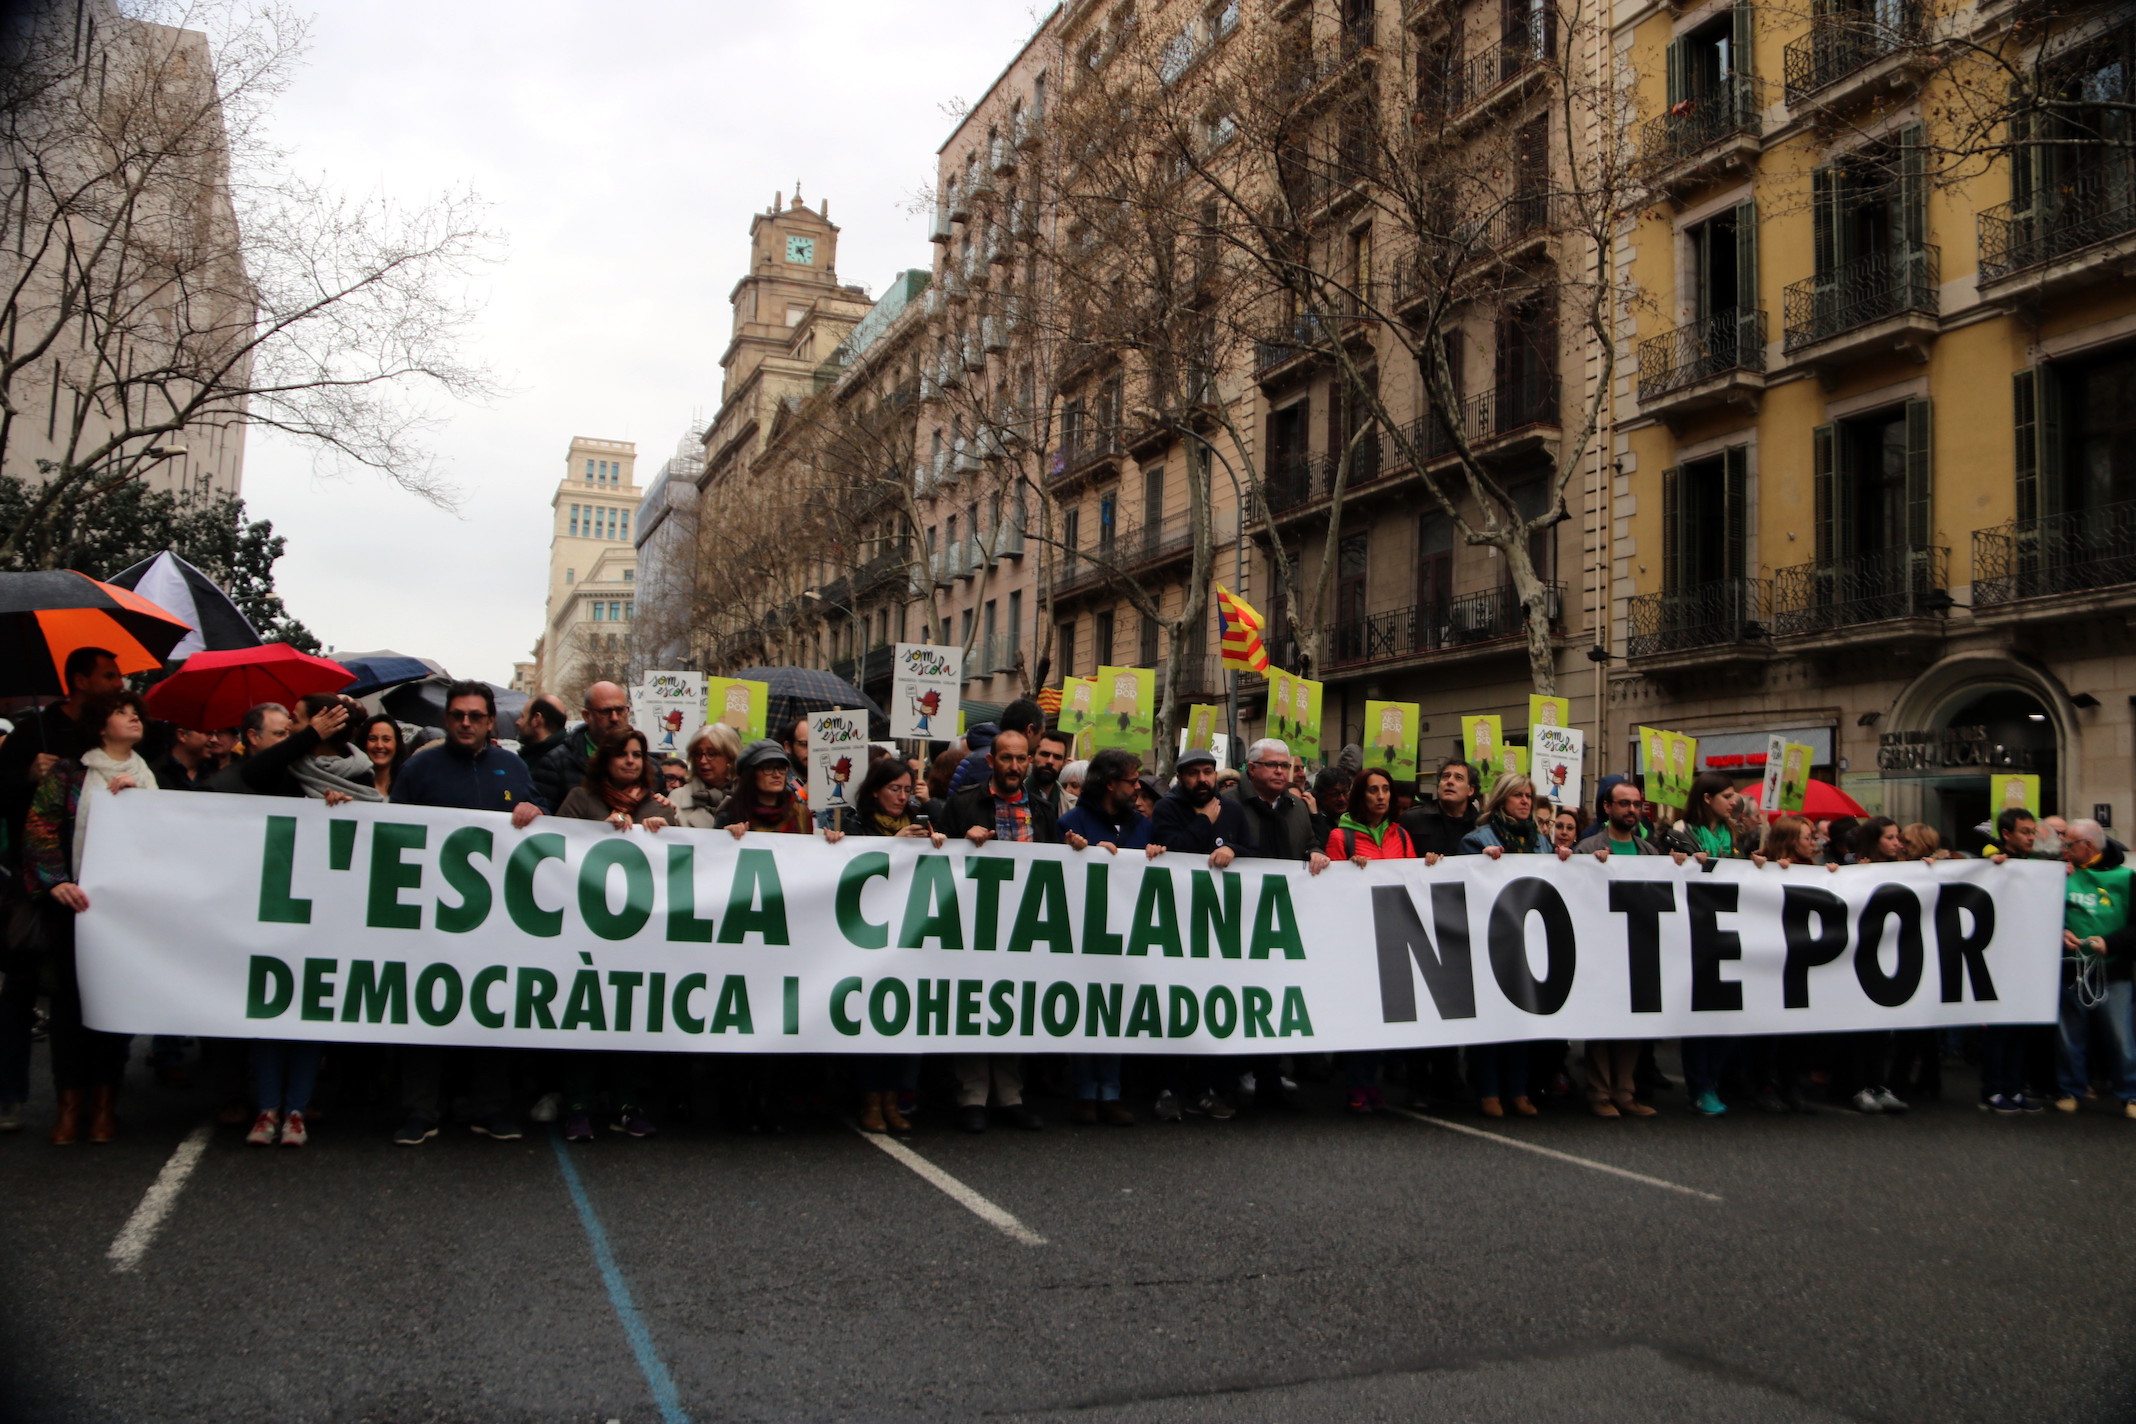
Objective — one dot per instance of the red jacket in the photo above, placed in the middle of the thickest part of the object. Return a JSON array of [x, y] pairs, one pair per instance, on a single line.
[[1395, 845]]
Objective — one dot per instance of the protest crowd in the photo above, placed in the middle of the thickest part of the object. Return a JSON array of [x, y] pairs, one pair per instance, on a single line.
[[1011, 782]]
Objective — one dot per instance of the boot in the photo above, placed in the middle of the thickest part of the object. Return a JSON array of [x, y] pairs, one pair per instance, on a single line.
[[896, 1121], [871, 1113], [68, 1129], [104, 1117]]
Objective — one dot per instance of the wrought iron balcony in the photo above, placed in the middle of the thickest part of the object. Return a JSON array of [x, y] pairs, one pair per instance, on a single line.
[[1706, 615], [1525, 48], [1671, 140], [2092, 209], [1699, 352], [1843, 43], [1871, 588], [1491, 616], [1305, 335], [871, 666], [992, 655], [2080, 551], [1857, 293]]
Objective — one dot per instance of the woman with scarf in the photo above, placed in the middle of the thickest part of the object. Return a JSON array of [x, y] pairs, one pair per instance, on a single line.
[[334, 771], [622, 787], [1708, 833], [1366, 831], [84, 1061], [1506, 826], [883, 807], [711, 754]]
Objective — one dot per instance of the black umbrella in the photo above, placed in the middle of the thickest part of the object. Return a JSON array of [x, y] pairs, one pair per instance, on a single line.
[[794, 692], [422, 704], [170, 582], [47, 615]]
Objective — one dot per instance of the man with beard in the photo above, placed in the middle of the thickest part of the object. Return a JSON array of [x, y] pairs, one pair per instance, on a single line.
[[1047, 761], [1001, 808], [1193, 820]]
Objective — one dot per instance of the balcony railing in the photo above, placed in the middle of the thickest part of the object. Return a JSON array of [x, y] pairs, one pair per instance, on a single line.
[[1871, 588], [1868, 289], [1726, 341], [2068, 218], [1473, 618], [1523, 47], [1844, 41], [992, 655], [871, 666], [1085, 448], [1305, 334], [1705, 615], [2075, 552], [1699, 122]]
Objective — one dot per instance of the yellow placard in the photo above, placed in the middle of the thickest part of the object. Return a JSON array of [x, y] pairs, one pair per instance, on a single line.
[[1481, 737], [2010, 788]]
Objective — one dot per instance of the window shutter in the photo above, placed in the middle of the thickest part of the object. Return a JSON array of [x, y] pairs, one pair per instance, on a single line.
[[1742, 39], [2024, 408], [1676, 62], [1671, 529], [1824, 237], [1913, 189], [2047, 396], [1748, 336], [1826, 545], [2024, 157], [1920, 475], [1735, 488]]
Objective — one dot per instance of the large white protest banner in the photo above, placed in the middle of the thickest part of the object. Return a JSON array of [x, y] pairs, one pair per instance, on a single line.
[[244, 917]]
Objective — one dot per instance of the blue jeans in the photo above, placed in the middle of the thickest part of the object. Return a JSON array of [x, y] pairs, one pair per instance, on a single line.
[[1096, 1076], [1498, 1070], [1705, 1059], [283, 1074], [2112, 1022]]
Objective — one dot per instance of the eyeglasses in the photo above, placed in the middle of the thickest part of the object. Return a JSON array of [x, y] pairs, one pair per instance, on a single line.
[[1272, 765]]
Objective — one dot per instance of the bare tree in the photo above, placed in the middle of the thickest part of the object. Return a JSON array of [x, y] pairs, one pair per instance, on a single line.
[[168, 280]]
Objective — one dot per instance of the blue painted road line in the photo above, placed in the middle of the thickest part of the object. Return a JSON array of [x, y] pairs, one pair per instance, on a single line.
[[657, 1378]]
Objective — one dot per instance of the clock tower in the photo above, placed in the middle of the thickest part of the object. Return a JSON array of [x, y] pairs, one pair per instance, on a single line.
[[793, 255]]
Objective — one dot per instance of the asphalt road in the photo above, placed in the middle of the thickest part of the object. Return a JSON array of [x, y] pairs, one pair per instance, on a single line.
[[1296, 1265]]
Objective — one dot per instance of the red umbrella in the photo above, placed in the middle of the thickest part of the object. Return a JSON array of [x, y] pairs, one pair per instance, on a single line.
[[216, 689], [1819, 799]]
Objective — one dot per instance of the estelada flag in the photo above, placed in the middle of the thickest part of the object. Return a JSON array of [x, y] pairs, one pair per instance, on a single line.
[[1242, 627]]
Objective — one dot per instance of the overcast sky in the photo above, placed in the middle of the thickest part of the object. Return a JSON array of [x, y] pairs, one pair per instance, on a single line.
[[624, 147]]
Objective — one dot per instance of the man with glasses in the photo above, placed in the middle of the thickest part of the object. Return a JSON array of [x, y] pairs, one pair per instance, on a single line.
[[1282, 825], [563, 765], [470, 772]]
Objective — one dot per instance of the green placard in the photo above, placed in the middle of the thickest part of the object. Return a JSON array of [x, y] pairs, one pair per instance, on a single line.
[[1125, 709], [738, 703], [1391, 738]]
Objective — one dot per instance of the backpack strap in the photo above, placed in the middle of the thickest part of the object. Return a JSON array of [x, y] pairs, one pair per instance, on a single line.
[[1349, 844]]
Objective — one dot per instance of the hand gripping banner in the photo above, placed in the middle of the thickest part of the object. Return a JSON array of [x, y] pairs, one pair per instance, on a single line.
[[245, 917]]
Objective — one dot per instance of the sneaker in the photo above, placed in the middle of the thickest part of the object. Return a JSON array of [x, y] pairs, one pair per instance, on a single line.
[[1359, 1103], [1167, 1108], [1889, 1101], [578, 1127], [2128, 1109], [264, 1128], [908, 1104], [1708, 1104], [293, 1131], [2025, 1103], [1115, 1114], [1212, 1105], [415, 1132], [1999, 1103], [10, 1117], [500, 1127], [633, 1123], [1865, 1101], [2065, 1103], [546, 1107]]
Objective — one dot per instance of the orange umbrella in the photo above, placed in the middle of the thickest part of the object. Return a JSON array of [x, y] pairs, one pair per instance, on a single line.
[[44, 617]]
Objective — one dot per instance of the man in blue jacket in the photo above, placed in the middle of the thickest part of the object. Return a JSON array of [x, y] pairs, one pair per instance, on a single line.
[[469, 772]]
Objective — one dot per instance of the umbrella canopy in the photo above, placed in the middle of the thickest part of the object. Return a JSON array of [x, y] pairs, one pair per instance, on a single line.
[[217, 689], [1819, 799], [46, 616], [422, 704], [170, 582], [377, 671], [794, 692]]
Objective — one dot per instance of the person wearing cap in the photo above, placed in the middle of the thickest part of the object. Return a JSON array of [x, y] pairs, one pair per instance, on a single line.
[[764, 798]]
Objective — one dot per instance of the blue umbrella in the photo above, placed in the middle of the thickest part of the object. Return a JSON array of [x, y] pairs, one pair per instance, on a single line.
[[378, 671]]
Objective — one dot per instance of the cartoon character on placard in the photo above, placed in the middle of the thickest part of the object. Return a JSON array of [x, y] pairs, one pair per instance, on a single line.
[[839, 773], [669, 726], [1795, 777], [1483, 740], [924, 706], [1681, 749], [1391, 737], [1557, 779], [1126, 699], [1280, 714], [2014, 792]]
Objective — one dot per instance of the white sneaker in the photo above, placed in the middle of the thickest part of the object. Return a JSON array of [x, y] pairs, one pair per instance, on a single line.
[[1167, 1109], [545, 1107], [1865, 1101], [1889, 1101]]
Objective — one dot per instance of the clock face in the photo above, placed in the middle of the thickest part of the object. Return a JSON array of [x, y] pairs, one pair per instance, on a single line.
[[801, 250]]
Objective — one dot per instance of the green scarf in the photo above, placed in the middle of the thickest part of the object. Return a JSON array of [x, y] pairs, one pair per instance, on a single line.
[[1716, 841], [1375, 834], [1518, 837]]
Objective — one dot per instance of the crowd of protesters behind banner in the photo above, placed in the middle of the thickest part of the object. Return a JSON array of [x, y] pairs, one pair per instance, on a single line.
[[1008, 781]]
